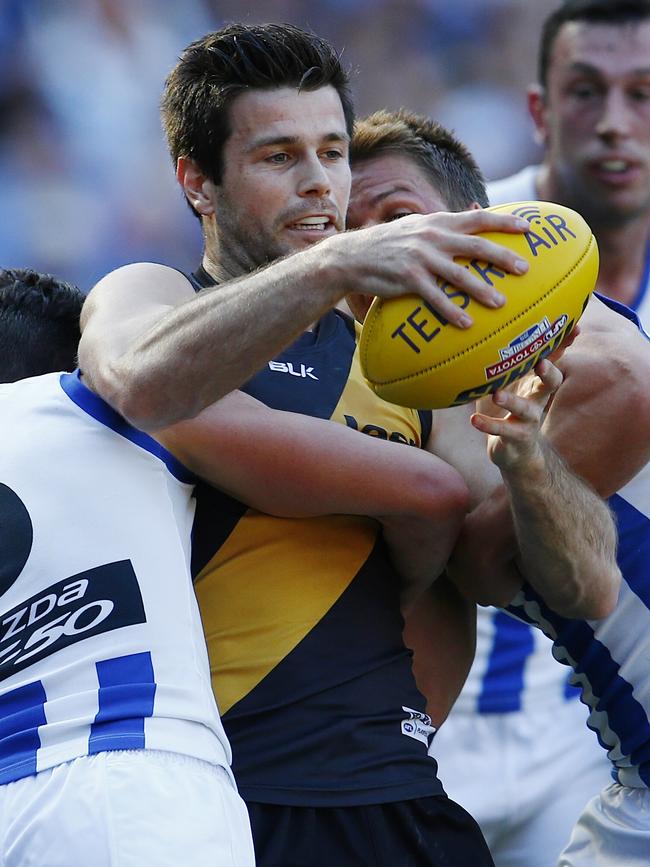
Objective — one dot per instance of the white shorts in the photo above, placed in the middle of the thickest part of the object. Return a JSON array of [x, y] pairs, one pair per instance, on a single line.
[[613, 830], [136, 808], [525, 777]]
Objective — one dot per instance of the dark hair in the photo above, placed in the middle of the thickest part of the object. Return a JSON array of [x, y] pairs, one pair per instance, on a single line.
[[610, 12], [446, 161], [215, 69], [39, 324]]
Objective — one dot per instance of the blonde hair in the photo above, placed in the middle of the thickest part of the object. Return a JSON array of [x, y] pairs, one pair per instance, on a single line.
[[449, 165]]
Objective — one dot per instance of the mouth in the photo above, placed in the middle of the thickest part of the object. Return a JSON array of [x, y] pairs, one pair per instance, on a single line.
[[615, 170], [313, 223]]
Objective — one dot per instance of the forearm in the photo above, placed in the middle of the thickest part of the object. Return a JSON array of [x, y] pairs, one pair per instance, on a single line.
[[545, 524], [292, 465], [189, 350], [482, 565], [420, 544], [441, 630], [566, 537]]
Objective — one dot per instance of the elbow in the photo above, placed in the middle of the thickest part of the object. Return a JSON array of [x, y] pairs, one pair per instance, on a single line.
[[445, 495], [132, 397], [606, 601], [141, 409], [140, 400], [151, 408], [599, 599]]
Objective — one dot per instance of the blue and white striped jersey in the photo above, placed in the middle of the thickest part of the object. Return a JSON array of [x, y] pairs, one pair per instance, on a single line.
[[513, 668], [101, 645], [611, 657]]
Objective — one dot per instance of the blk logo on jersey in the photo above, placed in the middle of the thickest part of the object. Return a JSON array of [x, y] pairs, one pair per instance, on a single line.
[[89, 603], [300, 370]]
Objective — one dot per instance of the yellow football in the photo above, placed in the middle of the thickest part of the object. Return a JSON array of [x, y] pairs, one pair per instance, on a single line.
[[411, 356]]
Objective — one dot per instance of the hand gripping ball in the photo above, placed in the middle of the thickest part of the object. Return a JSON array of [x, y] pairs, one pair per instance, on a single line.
[[411, 356]]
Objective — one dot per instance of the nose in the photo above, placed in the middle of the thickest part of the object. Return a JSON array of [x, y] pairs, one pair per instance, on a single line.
[[614, 122], [314, 179]]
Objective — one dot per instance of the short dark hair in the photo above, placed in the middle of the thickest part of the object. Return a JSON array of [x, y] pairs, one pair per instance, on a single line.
[[610, 12], [39, 324], [446, 161], [215, 69]]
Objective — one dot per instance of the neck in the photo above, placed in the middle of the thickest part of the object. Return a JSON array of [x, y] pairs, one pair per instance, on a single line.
[[622, 246], [221, 263], [214, 269], [622, 258]]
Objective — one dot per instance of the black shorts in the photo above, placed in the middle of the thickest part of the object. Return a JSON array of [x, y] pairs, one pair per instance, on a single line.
[[424, 832]]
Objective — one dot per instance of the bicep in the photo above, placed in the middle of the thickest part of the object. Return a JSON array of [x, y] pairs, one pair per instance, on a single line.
[[123, 306]]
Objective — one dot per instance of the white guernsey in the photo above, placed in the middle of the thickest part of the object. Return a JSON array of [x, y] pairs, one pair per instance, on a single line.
[[101, 649]]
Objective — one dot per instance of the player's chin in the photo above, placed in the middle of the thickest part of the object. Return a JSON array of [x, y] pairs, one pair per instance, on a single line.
[[626, 204]]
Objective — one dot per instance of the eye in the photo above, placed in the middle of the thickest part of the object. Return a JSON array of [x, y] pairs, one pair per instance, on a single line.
[[640, 94], [584, 91], [397, 215], [334, 154], [278, 158]]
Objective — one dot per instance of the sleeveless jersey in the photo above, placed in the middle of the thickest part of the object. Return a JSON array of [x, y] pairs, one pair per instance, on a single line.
[[513, 669], [302, 616], [101, 646]]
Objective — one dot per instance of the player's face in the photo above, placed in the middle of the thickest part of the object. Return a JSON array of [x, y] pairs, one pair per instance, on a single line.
[[595, 119], [387, 187], [286, 176]]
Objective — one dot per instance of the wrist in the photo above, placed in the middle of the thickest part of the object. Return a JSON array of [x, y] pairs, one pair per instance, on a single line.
[[329, 270], [534, 466]]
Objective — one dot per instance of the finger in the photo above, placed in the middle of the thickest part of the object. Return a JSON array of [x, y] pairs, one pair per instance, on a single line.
[[527, 409], [481, 220], [484, 254], [509, 428], [448, 288], [551, 376]]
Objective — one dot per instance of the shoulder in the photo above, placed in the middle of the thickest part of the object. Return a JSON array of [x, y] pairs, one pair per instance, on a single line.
[[139, 284], [517, 187]]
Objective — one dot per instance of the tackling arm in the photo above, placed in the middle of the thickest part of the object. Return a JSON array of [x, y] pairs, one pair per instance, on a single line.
[[158, 353], [556, 526], [606, 371], [269, 459]]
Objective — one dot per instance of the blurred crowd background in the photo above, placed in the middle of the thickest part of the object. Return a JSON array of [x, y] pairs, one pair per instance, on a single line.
[[85, 180]]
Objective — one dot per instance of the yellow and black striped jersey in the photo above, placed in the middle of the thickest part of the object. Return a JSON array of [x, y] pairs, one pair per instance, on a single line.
[[302, 616]]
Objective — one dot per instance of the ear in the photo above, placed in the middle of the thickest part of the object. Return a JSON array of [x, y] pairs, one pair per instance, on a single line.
[[537, 110], [196, 186], [475, 207]]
